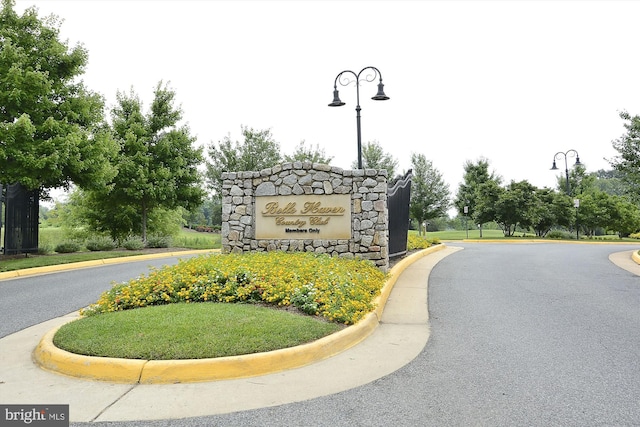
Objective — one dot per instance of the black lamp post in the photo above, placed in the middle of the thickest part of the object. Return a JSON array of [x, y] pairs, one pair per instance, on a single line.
[[565, 154], [380, 96]]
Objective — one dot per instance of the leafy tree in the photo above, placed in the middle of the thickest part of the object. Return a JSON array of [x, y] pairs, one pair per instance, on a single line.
[[311, 154], [600, 212], [374, 157], [475, 174], [552, 209], [157, 166], [429, 193], [579, 181], [85, 214], [628, 160], [257, 151], [51, 126], [625, 220], [194, 217], [544, 217], [208, 213], [609, 181], [563, 210], [488, 193], [595, 212], [44, 214], [516, 206]]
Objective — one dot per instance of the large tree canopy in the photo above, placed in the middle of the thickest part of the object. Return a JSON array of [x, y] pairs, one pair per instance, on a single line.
[[475, 174], [51, 126], [429, 192], [628, 160], [157, 165], [374, 157], [257, 151], [311, 154]]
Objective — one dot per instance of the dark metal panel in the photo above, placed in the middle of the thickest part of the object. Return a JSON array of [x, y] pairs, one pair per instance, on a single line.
[[21, 220], [398, 198]]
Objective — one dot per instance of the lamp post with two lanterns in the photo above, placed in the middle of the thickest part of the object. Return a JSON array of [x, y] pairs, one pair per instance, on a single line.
[[569, 153], [344, 80], [565, 154]]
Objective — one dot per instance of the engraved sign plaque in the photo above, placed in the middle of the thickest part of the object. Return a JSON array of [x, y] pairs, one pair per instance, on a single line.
[[303, 217]]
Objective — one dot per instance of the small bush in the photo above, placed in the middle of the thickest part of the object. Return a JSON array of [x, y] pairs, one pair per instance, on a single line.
[[133, 243], [635, 236], [415, 241], [100, 244], [45, 249], [304, 298], [67, 247], [560, 235], [158, 241]]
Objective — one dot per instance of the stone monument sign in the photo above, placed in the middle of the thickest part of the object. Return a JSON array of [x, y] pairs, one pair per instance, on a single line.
[[308, 207]]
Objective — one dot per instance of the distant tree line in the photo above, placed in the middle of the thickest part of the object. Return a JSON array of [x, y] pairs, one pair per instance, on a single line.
[[599, 203]]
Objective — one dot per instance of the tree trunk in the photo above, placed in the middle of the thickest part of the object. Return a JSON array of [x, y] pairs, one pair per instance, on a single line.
[[144, 223]]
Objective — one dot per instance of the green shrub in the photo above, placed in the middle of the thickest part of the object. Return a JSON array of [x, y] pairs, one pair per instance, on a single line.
[[158, 241], [415, 241], [635, 236], [45, 249], [100, 244], [560, 235], [133, 243], [304, 298], [67, 247]]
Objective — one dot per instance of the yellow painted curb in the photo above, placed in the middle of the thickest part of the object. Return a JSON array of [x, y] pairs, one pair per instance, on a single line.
[[396, 271], [49, 357], [97, 262], [636, 257]]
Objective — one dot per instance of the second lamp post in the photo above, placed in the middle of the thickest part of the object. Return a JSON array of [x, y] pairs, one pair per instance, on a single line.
[[565, 154], [570, 153], [380, 96]]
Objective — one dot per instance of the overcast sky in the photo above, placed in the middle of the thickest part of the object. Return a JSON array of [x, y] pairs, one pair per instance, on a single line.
[[511, 81]]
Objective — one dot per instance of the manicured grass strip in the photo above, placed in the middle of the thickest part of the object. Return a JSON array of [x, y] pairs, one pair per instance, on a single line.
[[46, 260], [190, 331], [194, 240]]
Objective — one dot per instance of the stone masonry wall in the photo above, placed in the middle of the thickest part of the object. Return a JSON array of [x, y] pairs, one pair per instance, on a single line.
[[369, 214]]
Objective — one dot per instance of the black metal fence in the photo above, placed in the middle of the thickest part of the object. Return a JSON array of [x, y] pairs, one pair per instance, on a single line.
[[398, 197], [21, 219]]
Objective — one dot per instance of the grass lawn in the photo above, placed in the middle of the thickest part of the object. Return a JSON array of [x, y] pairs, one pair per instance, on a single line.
[[190, 331], [22, 262]]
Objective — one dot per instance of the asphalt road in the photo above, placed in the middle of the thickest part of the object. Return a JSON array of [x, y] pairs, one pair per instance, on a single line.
[[521, 335]]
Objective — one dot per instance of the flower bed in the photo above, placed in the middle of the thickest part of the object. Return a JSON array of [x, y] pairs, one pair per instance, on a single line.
[[415, 241], [337, 289]]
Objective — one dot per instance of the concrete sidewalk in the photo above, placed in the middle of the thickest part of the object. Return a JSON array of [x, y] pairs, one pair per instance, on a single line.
[[402, 333]]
